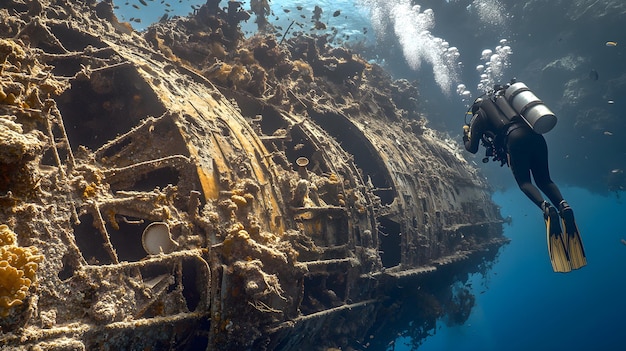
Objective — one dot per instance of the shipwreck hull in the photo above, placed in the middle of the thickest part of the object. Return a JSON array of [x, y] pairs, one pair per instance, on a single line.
[[285, 216]]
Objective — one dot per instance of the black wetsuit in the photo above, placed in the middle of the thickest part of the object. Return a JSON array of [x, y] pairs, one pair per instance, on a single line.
[[527, 153]]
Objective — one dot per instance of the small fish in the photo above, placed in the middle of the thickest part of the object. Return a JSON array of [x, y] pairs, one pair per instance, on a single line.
[[610, 102], [299, 8], [143, 2], [303, 16], [608, 133], [287, 10], [336, 13], [131, 19], [138, 20], [611, 43], [623, 241], [593, 75], [136, 6]]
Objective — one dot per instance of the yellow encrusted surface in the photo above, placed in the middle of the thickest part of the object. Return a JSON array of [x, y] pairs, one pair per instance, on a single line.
[[18, 266]]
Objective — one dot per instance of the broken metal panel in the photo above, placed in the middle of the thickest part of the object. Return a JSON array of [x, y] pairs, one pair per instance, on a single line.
[[284, 212], [407, 168], [115, 93]]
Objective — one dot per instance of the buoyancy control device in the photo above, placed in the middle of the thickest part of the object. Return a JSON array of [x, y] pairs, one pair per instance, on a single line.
[[505, 103]]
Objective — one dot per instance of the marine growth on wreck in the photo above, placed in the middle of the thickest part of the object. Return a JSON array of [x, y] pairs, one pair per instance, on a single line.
[[186, 188]]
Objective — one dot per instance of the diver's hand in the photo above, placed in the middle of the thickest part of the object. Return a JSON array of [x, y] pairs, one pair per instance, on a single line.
[[466, 130]]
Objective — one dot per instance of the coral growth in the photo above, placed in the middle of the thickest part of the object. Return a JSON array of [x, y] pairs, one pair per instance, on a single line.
[[303, 69], [14, 143], [239, 245], [18, 266], [261, 8], [24, 112], [10, 48], [237, 76], [295, 72]]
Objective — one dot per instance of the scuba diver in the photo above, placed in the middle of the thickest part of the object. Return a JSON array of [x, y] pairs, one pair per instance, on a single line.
[[509, 121]]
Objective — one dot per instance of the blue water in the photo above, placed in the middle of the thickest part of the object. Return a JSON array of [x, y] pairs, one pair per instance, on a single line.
[[523, 305], [155, 9]]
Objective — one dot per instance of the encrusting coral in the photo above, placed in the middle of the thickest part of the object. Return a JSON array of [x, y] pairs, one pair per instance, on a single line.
[[18, 266]]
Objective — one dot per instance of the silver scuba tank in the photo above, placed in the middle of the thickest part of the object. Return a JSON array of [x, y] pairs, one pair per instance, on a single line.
[[538, 116]]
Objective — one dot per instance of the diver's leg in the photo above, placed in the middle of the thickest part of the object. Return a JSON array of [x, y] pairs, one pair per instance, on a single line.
[[541, 172], [519, 161], [522, 177]]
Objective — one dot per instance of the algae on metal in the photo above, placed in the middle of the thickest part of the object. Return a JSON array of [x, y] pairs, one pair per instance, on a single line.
[[299, 183]]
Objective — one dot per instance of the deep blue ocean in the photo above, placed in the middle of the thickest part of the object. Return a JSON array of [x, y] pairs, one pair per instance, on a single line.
[[521, 304]]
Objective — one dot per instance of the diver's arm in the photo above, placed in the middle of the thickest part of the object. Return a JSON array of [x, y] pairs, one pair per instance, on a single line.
[[472, 141]]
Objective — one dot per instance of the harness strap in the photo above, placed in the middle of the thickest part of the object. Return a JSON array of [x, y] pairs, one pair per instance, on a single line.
[[513, 126]]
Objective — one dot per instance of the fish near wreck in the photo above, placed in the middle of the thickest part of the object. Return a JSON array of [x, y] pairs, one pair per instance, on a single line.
[[297, 184]]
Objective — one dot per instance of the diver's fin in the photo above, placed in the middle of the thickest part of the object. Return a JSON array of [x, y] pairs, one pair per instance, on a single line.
[[556, 243], [573, 242]]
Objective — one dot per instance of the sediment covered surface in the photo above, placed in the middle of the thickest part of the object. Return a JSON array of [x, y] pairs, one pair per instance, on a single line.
[[289, 188]]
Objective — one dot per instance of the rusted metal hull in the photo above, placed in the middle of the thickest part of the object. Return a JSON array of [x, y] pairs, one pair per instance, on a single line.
[[286, 219]]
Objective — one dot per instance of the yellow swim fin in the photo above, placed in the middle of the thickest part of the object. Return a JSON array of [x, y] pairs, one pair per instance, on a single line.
[[573, 242], [557, 248]]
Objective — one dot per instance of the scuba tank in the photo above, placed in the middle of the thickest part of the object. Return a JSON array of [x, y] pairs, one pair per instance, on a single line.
[[538, 116], [502, 106], [515, 99]]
